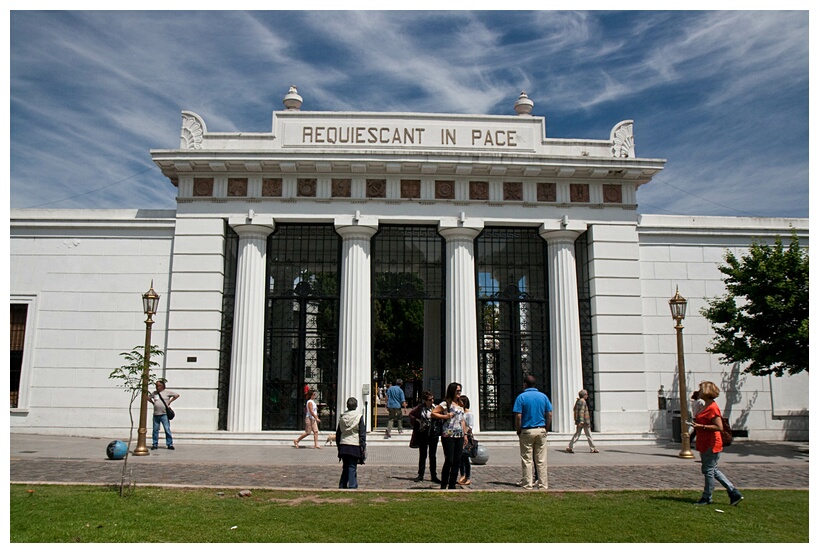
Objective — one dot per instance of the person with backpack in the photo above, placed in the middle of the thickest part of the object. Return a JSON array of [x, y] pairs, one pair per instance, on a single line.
[[709, 427]]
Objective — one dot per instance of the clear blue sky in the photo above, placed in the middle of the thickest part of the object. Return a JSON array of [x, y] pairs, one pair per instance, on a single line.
[[723, 96]]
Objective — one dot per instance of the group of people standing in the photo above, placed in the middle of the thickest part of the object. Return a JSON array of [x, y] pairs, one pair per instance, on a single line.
[[451, 421]]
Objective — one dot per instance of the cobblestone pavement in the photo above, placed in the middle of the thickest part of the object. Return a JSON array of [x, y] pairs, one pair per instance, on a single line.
[[771, 465]]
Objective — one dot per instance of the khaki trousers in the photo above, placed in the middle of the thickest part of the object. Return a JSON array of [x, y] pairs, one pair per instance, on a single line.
[[533, 449]]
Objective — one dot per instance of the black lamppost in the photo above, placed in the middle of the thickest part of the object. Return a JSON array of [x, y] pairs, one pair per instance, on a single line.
[[678, 305], [150, 303]]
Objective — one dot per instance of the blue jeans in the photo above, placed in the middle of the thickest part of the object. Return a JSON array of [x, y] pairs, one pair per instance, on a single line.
[[166, 424], [711, 472], [349, 470]]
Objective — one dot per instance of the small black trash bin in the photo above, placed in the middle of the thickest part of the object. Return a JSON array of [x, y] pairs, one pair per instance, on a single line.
[[676, 426]]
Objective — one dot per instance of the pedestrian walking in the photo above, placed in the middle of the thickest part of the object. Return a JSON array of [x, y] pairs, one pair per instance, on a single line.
[[533, 417], [453, 435], [395, 407], [708, 425], [582, 420], [351, 442], [426, 442], [311, 420], [162, 400]]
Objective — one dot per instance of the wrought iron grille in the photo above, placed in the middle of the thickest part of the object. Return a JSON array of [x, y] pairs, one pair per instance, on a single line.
[[226, 338], [513, 320], [301, 324], [18, 316], [408, 283], [581, 249]]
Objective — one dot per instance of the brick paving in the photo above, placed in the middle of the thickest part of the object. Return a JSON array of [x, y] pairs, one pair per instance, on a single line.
[[757, 465]]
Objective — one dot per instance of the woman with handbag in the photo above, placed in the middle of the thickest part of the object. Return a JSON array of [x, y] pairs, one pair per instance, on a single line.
[[466, 454], [163, 413], [708, 424], [453, 435], [423, 436]]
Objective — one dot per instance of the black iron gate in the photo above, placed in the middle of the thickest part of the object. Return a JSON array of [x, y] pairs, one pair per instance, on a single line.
[[408, 285], [301, 324], [513, 320]]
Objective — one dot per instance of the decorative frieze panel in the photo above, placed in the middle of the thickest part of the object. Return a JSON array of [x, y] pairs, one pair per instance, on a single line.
[[579, 193], [513, 191], [306, 188], [546, 192], [612, 194], [342, 188], [444, 190], [376, 188], [203, 187], [478, 190], [237, 187], [271, 188], [411, 189]]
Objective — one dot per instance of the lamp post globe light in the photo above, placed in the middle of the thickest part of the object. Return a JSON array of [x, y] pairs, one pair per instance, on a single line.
[[150, 303], [677, 304]]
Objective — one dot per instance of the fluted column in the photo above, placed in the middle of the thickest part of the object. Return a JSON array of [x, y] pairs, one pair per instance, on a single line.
[[461, 333], [247, 354], [564, 325], [354, 327]]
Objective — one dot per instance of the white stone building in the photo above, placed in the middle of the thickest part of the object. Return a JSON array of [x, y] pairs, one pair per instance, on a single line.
[[525, 252]]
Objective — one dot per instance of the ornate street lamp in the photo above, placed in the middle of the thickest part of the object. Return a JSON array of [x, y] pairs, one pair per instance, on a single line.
[[678, 305], [150, 303]]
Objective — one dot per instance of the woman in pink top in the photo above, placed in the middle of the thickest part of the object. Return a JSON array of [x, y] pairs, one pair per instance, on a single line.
[[708, 424]]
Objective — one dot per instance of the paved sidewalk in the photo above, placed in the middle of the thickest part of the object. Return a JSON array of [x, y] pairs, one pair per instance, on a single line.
[[56, 459]]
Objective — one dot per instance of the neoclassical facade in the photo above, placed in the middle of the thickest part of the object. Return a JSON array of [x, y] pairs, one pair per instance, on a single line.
[[293, 254]]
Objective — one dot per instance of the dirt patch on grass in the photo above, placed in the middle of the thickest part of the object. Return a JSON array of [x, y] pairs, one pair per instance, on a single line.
[[311, 499]]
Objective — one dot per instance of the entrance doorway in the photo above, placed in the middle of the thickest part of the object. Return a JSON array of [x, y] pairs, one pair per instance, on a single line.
[[301, 324], [513, 320], [407, 296]]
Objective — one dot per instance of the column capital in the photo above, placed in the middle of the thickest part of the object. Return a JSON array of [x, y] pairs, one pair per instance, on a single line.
[[356, 232], [562, 232], [459, 233], [260, 226]]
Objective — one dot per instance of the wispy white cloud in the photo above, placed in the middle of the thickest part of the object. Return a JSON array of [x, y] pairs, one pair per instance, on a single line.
[[92, 92]]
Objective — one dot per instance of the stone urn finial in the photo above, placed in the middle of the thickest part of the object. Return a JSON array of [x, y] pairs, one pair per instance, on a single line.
[[524, 105], [292, 101]]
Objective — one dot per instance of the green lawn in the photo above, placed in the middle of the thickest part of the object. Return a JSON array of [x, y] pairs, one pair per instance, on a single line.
[[85, 514]]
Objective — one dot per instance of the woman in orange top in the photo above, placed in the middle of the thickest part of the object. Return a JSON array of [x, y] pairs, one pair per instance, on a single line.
[[708, 424]]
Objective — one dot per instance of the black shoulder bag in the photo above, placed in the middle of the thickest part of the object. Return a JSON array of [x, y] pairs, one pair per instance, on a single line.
[[168, 409]]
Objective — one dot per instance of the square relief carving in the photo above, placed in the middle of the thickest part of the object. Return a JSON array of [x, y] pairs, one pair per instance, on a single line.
[[376, 188], [546, 192], [203, 187], [478, 190], [306, 188], [342, 188], [237, 187], [579, 192], [612, 194], [410, 189], [444, 190], [272, 187], [513, 191]]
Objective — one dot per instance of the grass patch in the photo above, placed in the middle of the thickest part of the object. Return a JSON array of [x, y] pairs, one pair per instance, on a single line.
[[88, 514]]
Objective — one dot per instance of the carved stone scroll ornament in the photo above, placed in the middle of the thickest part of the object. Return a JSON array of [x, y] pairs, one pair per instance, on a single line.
[[193, 130], [622, 138]]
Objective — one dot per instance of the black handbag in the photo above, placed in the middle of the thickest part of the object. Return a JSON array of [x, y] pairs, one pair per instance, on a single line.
[[168, 410], [436, 428]]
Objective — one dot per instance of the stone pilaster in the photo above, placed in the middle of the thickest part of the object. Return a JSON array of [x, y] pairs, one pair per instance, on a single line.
[[564, 324], [461, 335], [355, 328], [247, 357]]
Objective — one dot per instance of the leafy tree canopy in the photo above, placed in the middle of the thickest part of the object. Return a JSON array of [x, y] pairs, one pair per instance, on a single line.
[[762, 320]]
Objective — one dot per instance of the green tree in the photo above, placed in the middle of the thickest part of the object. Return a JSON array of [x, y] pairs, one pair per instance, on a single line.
[[762, 320], [130, 376]]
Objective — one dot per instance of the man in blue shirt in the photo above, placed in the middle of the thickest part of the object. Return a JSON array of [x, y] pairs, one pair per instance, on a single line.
[[533, 417], [395, 402]]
